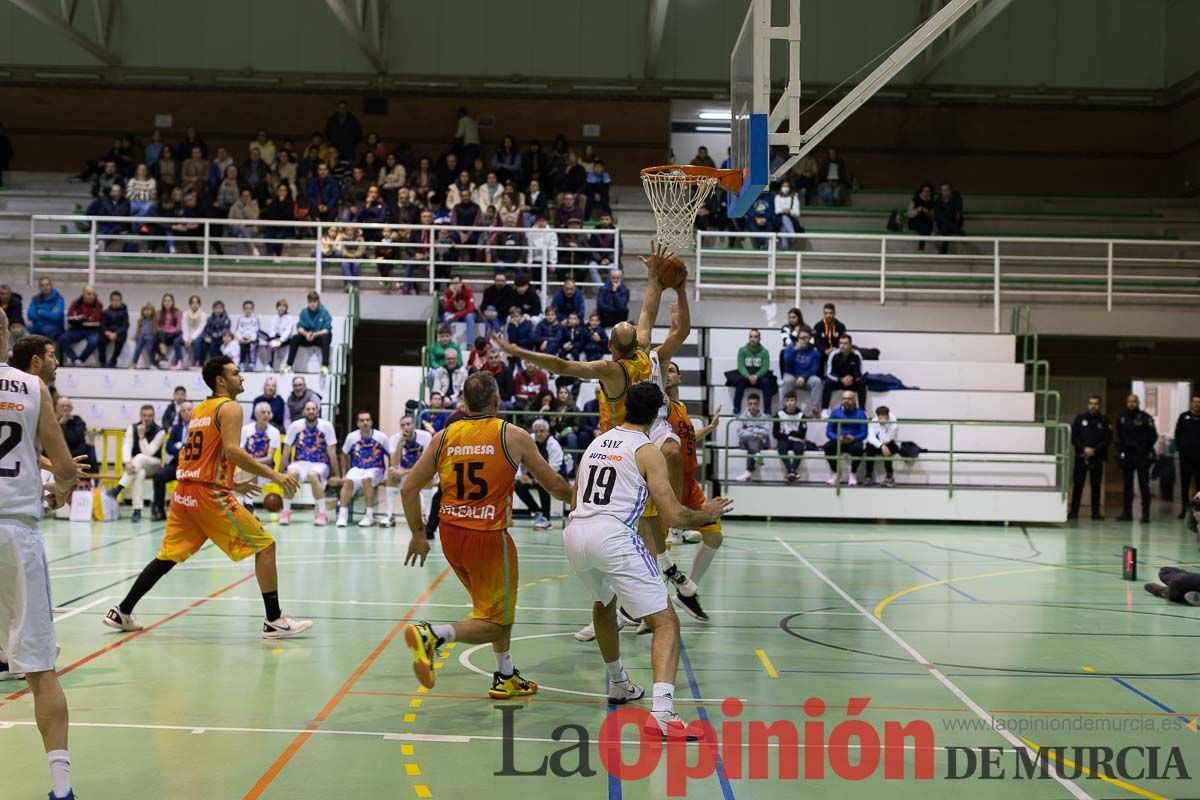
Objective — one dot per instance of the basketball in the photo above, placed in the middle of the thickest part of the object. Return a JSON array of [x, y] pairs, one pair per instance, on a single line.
[[673, 273], [272, 503]]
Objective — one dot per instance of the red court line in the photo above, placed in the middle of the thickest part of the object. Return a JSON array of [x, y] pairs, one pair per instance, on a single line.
[[136, 634], [273, 771]]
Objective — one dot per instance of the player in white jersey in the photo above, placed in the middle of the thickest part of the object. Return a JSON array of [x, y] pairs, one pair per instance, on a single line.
[[27, 422], [404, 448], [365, 458], [261, 440], [315, 444], [618, 473]]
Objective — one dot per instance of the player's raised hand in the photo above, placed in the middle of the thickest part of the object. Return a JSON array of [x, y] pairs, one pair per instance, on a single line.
[[418, 549], [288, 483], [717, 507], [659, 255], [713, 422], [504, 344]]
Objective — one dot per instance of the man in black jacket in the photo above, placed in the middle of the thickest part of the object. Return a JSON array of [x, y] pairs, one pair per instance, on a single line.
[[166, 473], [828, 331], [845, 372], [75, 432], [1187, 442], [1136, 437], [1091, 434]]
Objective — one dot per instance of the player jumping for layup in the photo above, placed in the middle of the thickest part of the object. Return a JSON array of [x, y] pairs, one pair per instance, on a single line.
[[204, 508], [476, 459]]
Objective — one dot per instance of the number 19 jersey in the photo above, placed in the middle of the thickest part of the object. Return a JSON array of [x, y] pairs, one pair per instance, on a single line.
[[609, 483], [476, 475], [20, 472]]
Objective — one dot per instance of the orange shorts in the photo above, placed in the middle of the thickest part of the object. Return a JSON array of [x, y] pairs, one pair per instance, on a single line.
[[693, 498], [486, 563], [199, 512]]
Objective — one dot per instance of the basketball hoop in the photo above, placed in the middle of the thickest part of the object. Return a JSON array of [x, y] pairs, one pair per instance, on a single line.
[[676, 193]]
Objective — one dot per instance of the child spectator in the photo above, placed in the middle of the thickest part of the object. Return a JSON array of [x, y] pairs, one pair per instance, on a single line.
[[548, 333], [170, 333], [883, 439], [437, 351], [519, 330], [572, 341], [230, 346], [248, 332], [114, 330], [210, 342], [280, 330], [194, 320], [595, 340], [146, 337]]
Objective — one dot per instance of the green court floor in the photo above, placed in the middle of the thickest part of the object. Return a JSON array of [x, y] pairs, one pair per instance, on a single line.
[[966, 628]]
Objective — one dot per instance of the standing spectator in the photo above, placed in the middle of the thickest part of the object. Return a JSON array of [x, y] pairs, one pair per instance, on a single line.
[[572, 339], [543, 243], [1091, 434], [114, 330], [787, 212], [568, 299], [948, 214], [176, 438], [753, 372], [466, 135], [526, 298], [828, 331], [265, 145], [343, 131], [214, 331], [449, 378], [850, 436], [170, 333], [194, 321], [83, 320], [612, 303], [500, 294], [1136, 438], [280, 330], [790, 432], [247, 334], [10, 304], [808, 174], [270, 396], [75, 432], [1187, 442], [519, 330], [300, 397], [595, 345], [920, 213], [458, 305], [143, 445], [883, 439], [314, 329], [754, 435], [47, 311], [703, 159], [834, 179], [845, 372], [145, 338], [507, 161]]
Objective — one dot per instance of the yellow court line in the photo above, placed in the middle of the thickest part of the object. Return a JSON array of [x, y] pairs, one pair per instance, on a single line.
[[1129, 787], [412, 769], [406, 749], [410, 717], [414, 703], [766, 662], [422, 790]]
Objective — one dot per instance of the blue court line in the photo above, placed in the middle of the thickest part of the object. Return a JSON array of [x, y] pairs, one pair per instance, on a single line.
[[1151, 700], [726, 788], [614, 783], [949, 586], [1166, 558]]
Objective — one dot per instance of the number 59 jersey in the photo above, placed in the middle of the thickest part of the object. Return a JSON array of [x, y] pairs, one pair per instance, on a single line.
[[609, 482], [202, 458], [20, 472], [476, 474]]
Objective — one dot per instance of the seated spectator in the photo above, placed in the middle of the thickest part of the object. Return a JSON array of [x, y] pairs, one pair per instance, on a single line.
[[754, 435], [500, 294], [572, 339], [10, 304], [791, 329], [323, 194], [178, 398], [510, 215], [846, 438], [845, 372], [507, 248], [761, 219], [176, 438], [948, 214], [568, 299], [188, 225], [703, 159], [496, 366], [808, 175], [575, 249], [247, 333], [612, 302], [753, 372], [595, 345], [105, 179], [170, 334], [828, 331], [445, 342], [209, 343], [270, 396], [787, 213], [526, 297], [834, 180], [507, 160], [83, 325], [227, 192], [883, 439], [458, 305], [589, 424], [230, 347], [477, 357], [552, 451], [194, 172], [713, 214], [265, 146], [143, 446], [353, 249], [246, 209], [314, 329], [564, 424], [462, 244], [392, 178], [142, 192], [47, 311], [112, 205], [145, 338], [543, 243], [489, 192], [567, 211], [536, 203], [75, 432], [194, 321], [280, 208], [572, 182], [255, 172], [529, 382], [280, 330], [519, 330], [603, 243], [801, 367], [449, 378], [355, 189], [433, 418], [166, 171], [920, 213], [114, 330], [301, 396], [598, 183], [790, 431], [218, 170], [548, 333]]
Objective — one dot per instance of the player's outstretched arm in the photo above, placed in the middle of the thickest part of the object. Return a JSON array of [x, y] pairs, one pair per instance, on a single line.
[[229, 419], [585, 370], [681, 328], [653, 296], [524, 451], [63, 467], [653, 467], [705, 431], [410, 499]]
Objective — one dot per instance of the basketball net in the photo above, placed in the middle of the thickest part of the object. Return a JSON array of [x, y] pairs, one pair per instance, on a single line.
[[676, 197]]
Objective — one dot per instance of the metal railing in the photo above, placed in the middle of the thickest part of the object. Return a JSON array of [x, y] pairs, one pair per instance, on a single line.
[[1058, 435], [1021, 324], [983, 268], [293, 251]]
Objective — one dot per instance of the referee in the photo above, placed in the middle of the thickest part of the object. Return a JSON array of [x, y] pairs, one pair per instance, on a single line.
[[1136, 437], [1187, 442], [1091, 434]]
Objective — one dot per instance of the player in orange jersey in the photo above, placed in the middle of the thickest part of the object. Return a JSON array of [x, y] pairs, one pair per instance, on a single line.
[[203, 507], [476, 458]]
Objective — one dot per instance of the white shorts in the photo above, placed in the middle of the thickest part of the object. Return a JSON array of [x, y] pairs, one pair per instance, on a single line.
[[611, 559], [356, 475], [661, 433], [305, 468], [26, 613]]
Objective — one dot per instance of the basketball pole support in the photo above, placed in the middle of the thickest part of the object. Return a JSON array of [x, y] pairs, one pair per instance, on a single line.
[[802, 143]]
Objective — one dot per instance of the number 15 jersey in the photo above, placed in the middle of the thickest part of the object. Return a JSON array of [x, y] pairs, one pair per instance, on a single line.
[[476, 474], [609, 483]]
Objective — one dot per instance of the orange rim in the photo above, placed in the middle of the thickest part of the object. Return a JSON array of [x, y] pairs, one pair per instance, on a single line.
[[730, 179]]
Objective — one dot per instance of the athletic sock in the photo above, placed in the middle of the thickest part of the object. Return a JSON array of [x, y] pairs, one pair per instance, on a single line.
[[444, 633], [664, 697], [343, 513], [287, 504], [60, 771], [271, 602], [390, 494], [616, 672], [504, 664], [665, 563], [704, 557], [149, 576]]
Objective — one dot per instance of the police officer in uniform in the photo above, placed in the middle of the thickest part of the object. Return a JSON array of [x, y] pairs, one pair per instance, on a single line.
[[1187, 442], [1136, 437], [1091, 434]]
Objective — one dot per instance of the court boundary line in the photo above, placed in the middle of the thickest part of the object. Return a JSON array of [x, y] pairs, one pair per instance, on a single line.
[[1074, 790]]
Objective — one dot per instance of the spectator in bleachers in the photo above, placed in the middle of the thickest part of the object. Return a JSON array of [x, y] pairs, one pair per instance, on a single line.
[[247, 333], [598, 185], [47, 311], [493, 325], [178, 398], [883, 439], [543, 243], [535, 203], [461, 188], [323, 194], [800, 364], [450, 377], [104, 181], [75, 432], [193, 174], [703, 159], [829, 330], [176, 438], [466, 135], [166, 171], [567, 212], [844, 372], [500, 294], [194, 321], [283, 172], [445, 341], [218, 170], [114, 205], [314, 329], [533, 164], [495, 365], [265, 146], [850, 436], [808, 173], [603, 242], [564, 426], [424, 180], [761, 219], [270, 396], [83, 325], [300, 395], [458, 305], [142, 192], [315, 153], [392, 178], [353, 249], [477, 355], [405, 210], [246, 208], [790, 431], [145, 338], [753, 372], [790, 330], [143, 446], [466, 214], [343, 131], [114, 330], [574, 247], [170, 334], [354, 190], [227, 191], [572, 339], [433, 419], [215, 326], [526, 297], [948, 214], [572, 182], [787, 212], [519, 330], [280, 329], [529, 382], [587, 425], [254, 174], [280, 208], [489, 192], [374, 148], [192, 139], [595, 339], [920, 213], [548, 333], [189, 228], [10, 304], [447, 171], [834, 179], [612, 302], [754, 435], [507, 160]]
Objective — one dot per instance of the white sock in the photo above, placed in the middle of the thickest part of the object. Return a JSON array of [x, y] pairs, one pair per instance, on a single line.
[[504, 663], [344, 512], [704, 557], [665, 562], [616, 672], [444, 632], [325, 504], [664, 697], [370, 512], [391, 493], [287, 504], [60, 771]]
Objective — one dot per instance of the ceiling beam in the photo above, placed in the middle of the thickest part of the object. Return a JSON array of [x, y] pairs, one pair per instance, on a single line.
[[99, 52], [657, 11], [349, 22], [961, 37]]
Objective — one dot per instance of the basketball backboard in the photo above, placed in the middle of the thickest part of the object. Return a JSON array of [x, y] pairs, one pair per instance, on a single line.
[[750, 104]]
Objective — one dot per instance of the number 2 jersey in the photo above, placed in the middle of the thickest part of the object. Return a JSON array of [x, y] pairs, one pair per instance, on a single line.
[[609, 483], [20, 471], [476, 474]]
